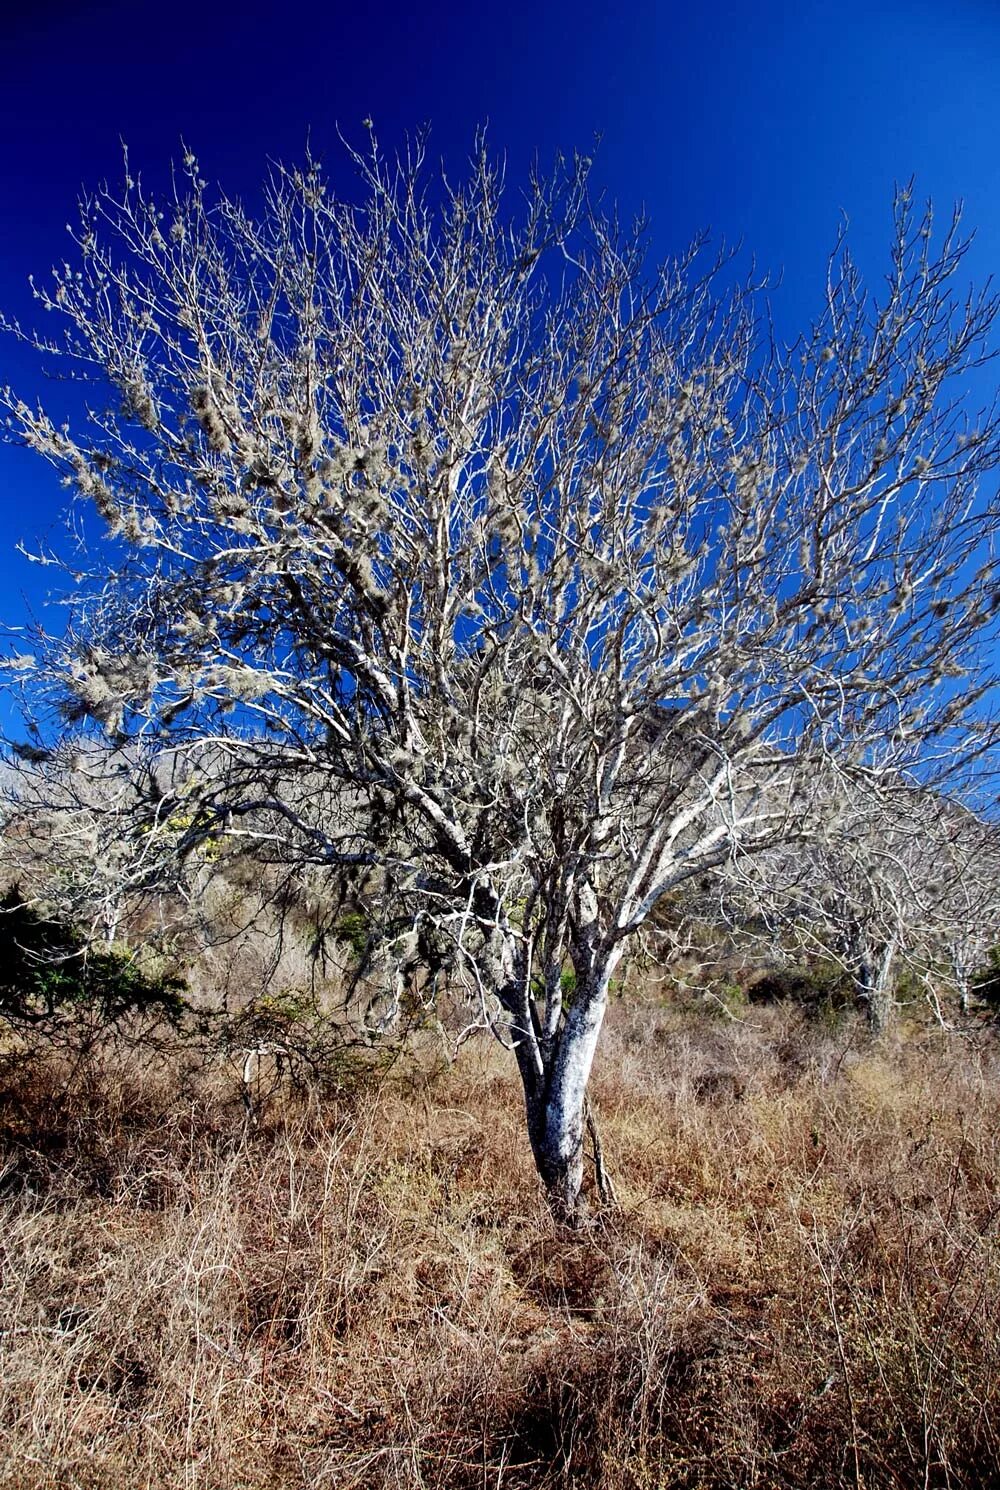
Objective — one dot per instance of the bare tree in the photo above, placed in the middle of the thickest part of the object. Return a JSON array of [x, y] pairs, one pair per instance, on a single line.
[[965, 905], [69, 841], [890, 878], [452, 548]]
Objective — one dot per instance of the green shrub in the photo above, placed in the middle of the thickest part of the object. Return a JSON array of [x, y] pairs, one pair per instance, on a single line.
[[48, 973], [822, 986], [567, 987], [353, 929], [727, 998], [986, 983], [294, 1044]]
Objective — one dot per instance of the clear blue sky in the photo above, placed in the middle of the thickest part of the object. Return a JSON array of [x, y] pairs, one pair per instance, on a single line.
[[762, 121]]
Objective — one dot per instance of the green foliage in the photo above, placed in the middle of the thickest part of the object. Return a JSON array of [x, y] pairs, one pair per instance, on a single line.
[[821, 985], [353, 929], [274, 1014], [908, 986], [567, 987], [307, 1047], [47, 973], [728, 998], [986, 983]]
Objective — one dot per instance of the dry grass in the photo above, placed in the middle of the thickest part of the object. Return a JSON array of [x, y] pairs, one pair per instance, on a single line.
[[801, 1287]]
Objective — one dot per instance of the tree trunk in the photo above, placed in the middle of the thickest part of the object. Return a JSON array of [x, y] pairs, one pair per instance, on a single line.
[[557, 1146], [875, 988], [555, 1100]]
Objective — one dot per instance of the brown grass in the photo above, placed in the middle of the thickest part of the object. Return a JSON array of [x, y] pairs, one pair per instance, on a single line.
[[801, 1286]]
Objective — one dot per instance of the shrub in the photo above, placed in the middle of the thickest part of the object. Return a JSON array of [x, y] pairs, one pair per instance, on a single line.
[[47, 973], [986, 983], [820, 985], [354, 929], [286, 1040]]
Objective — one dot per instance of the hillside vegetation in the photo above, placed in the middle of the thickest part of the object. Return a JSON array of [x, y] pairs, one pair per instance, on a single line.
[[361, 1285]]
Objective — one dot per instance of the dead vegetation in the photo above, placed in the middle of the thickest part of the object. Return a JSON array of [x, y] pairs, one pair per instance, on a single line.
[[799, 1288]]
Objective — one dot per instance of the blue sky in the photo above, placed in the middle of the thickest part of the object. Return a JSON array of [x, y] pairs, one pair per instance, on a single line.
[[762, 122]]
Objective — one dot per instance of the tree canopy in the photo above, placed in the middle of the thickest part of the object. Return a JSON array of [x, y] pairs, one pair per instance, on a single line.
[[454, 547]]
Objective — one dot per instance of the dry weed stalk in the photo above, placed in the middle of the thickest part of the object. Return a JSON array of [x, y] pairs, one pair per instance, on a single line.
[[799, 1287]]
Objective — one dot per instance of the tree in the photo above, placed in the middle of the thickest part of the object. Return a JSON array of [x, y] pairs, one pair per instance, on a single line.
[[892, 877], [965, 904], [456, 550]]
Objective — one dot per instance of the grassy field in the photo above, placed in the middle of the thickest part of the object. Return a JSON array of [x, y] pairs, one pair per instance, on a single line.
[[800, 1285]]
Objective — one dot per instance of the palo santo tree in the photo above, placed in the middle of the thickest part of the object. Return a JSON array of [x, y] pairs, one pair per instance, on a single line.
[[892, 879], [454, 548]]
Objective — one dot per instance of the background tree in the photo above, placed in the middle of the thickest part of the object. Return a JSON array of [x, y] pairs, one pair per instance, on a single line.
[[965, 904], [892, 879], [456, 550]]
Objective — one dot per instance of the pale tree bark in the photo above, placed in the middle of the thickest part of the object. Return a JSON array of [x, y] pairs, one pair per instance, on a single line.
[[556, 1096], [873, 981], [893, 876]]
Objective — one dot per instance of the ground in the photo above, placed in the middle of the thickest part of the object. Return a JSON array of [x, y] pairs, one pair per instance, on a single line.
[[799, 1286]]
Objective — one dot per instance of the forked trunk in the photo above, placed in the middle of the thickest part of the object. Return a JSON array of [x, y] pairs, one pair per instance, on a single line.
[[556, 1099]]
